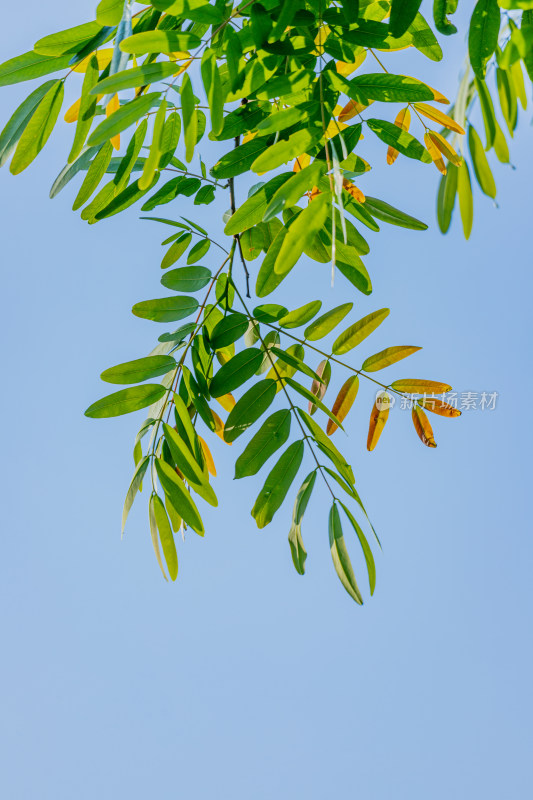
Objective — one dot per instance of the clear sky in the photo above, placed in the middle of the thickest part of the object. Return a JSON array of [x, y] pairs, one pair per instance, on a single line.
[[244, 680]]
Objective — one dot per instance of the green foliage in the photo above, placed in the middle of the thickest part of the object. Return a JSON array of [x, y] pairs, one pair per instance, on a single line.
[[281, 90]]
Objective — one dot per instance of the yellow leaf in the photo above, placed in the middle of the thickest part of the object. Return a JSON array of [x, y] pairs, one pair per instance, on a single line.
[[103, 57], [352, 190], [112, 106], [345, 69], [210, 463], [434, 152], [179, 55], [403, 120], [351, 109], [227, 401], [439, 407], [378, 418], [344, 402], [422, 427], [302, 161], [419, 386], [436, 115], [445, 148], [249, 137], [334, 127]]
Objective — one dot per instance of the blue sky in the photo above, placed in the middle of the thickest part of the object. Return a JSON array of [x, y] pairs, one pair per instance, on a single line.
[[244, 679]]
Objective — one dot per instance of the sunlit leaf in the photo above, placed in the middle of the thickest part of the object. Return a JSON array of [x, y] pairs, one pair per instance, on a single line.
[[378, 418], [422, 427], [126, 400], [139, 370], [341, 559], [343, 402], [357, 332]]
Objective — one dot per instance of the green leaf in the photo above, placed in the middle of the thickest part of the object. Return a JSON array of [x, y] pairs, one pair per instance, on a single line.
[[134, 487], [139, 370], [281, 152], [296, 544], [386, 88], [387, 213], [178, 496], [132, 78], [277, 484], [328, 448], [240, 159], [357, 332], [38, 129], [339, 554], [482, 170], [28, 66], [171, 189], [325, 324], [446, 199], [198, 251], [402, 14], [109, 12], [228, 330], [292, 190], [298, 317], [159, 41], [387, 357], [252, 210], [166, 309], [87, 109], [270, 437], [68, 41], [122, 118], [178, 335], [166, 536], [236, 371], [186, 279], [155, 536], [313, 399], [70, 170], [424, 39], [440, 10], [367, 552], [17, 123], [483, 35], [213, 90], [300, 234], [95, 173], [269, 312], [190, 118], [295, 363], [466, 200], [401, 140], [188, 465], [126, 400], [249, 408]]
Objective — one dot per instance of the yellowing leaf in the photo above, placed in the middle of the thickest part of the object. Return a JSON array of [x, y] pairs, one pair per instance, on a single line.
[[439, 407], [378, 418], [103, 56], [422, 427], [419, 386], [320, 38], [317, 388], [436, 115], [227, 401], [343, 68], [403, 120], [438, 97], [387, 357], [352, 109], [445, 148], [435, 154], [301, 162], [343, 402], [113, 105], [334, 127], [179, 55], [209, 460], [352, 190]]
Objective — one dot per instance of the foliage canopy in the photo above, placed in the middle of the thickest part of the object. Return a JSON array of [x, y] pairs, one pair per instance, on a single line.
[[286, 90]]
